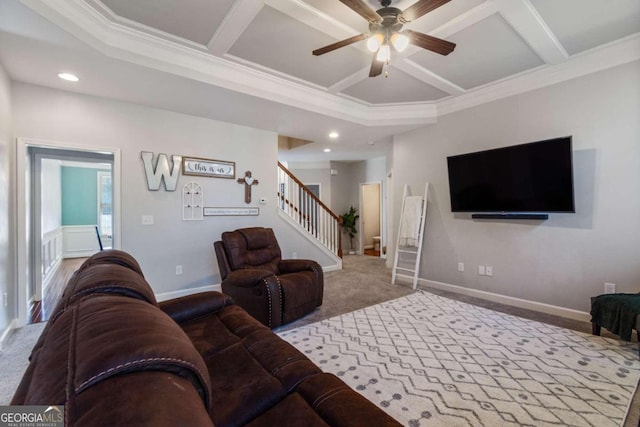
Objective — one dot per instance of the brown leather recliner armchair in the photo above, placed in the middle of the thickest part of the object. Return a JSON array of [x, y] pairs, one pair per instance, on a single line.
[[272, 290]]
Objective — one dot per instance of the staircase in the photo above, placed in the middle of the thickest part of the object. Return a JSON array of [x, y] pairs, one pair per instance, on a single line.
[[300, 205]]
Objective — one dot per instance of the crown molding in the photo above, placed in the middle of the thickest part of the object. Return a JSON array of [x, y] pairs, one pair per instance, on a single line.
[[601, 58], [129, 44], [118, 40]]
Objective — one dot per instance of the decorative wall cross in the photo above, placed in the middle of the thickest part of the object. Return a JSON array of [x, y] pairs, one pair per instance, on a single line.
[[248, 181]]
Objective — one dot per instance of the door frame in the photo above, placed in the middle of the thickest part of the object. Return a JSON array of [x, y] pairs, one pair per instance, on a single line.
[[360, 220], [22, 262]]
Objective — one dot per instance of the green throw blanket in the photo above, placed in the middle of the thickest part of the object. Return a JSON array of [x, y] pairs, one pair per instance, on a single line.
[[616, 312]]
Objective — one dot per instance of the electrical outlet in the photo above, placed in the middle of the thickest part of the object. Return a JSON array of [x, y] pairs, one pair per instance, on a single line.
[[294, 255], [178, 270], [5, 298], [461, 266], [488, 270], [147, 219], [609, 288], [481, 270]]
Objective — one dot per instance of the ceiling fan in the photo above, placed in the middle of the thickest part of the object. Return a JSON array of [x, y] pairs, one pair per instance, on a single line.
[[385, 26]]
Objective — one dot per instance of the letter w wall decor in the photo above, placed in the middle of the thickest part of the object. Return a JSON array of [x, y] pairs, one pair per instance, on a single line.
[[159, 172]]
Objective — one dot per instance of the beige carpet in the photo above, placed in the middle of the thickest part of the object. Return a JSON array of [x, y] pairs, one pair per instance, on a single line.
[[14, 358]]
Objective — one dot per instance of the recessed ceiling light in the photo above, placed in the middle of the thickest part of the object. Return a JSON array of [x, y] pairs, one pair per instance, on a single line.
[[334, 135], [327, 150], [68, 77]]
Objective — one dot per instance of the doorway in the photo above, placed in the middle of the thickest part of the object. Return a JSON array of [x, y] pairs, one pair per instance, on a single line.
[[63, 208], [370, 219]]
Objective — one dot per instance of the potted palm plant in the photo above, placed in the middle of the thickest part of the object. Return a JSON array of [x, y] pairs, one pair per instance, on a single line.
[[349, 221]]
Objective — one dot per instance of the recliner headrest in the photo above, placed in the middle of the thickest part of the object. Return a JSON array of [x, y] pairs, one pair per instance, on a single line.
[[257, 237]]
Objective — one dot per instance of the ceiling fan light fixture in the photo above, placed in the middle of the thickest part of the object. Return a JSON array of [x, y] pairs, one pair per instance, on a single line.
[[399, 41], [384, 53], [374, 41]]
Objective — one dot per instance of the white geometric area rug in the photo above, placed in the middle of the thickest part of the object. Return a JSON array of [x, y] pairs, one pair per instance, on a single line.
[[432, 361]]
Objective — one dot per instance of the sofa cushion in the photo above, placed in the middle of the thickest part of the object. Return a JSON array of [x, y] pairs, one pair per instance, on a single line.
[[247, 363], [140, 399], [106, 336]]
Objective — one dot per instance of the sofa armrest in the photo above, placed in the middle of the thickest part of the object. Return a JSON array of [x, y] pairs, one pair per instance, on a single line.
[[258, 292], [246, 278], [286, 266], [195, 305]]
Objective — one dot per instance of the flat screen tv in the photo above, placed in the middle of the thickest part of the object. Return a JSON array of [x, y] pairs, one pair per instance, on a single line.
[[527, 178]]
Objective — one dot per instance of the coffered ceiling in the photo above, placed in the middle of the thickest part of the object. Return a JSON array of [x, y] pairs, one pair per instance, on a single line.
[[255, 54]]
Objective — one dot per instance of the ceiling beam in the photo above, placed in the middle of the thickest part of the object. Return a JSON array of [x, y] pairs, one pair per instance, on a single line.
[[429, 77], [233, 25], [316, 19], [353, 79], [527, 22], [459, 23]]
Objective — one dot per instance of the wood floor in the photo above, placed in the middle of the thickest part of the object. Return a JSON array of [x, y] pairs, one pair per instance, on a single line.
[[372, 252], [39, 311]]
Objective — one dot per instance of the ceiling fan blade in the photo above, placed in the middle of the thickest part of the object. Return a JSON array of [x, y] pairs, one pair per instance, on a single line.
[[376, 67], [431, 43], [338, 45], [420, 8], [362, 9]]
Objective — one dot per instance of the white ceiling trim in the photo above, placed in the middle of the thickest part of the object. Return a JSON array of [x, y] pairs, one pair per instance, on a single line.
[[114, 18], [117, 41], [601, 58], [355, 78], [277, 73], [467, 19], [233, 25], [132, 45], [527, 22], [313, 17], [429, 77]]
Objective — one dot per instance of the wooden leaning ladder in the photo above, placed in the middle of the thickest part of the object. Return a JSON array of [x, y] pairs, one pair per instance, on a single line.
[[418, 250]]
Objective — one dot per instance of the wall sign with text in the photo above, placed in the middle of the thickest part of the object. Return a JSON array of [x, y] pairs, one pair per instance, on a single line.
[[226, 211], [208, 167]]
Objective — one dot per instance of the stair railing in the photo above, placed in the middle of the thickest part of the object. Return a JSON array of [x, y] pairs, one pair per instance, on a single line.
[[308, 211]]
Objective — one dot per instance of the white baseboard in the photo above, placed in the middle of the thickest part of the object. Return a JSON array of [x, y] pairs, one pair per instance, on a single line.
[[184, 292], [503, 299], [335, 267], [46, 280], [6, 332]]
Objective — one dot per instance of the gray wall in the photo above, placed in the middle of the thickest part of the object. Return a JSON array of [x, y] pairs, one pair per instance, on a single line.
[[6, 264], [567, 259], [314, 175], [95, 122]]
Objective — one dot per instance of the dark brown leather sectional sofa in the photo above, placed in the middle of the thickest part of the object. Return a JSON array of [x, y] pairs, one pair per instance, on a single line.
[[113, 356]]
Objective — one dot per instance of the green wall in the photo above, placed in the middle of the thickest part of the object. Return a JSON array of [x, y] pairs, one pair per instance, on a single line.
[[79, 196]]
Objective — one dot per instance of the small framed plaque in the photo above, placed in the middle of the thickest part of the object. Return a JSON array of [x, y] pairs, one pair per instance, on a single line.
[[208, 167], [242, 211]]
